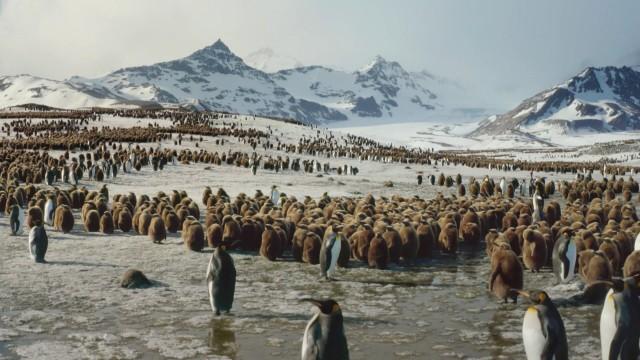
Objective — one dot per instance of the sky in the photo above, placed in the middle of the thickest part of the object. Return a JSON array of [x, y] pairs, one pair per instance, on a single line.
[[501, 50]]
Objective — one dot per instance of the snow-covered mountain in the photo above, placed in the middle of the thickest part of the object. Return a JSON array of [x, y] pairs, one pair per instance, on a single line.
[[24, 89], [383, 90], [596, 100], [214, 78], [269, 61]]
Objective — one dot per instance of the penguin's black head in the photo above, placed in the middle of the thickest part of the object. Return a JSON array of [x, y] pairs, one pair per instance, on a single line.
[[537, 297], [327, 307]]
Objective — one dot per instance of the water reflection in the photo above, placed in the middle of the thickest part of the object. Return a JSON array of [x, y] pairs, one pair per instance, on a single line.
[[222, 338]]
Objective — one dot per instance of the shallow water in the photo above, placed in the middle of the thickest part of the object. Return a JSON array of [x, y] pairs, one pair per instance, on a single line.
[[73, 307]]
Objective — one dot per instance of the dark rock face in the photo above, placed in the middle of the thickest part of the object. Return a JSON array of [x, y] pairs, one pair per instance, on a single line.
[[598, 99], [366, 107]]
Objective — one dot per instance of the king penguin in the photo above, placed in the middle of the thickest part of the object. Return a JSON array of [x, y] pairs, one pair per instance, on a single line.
[[49, 210], [620, 321], [329, 254], [324, 337], [564, 259], [538, 205], [221, 281], [38, 243], [16, 219], [543, 330]]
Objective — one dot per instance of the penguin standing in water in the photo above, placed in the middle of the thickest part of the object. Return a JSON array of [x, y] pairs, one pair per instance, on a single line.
[[543, 330], [329, 254], [620, 321], [16, 219], [324, 337], [564, 259], [49, 210], [221, 281], [38, 243]]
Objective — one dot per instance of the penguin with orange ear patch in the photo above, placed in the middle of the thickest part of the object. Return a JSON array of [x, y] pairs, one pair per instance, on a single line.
[[543, 331]]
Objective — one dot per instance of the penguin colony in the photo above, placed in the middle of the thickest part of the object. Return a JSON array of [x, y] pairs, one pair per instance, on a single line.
[[594, 236]]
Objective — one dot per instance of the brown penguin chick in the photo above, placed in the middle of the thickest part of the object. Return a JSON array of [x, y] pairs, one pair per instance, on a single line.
[[92, 221], [471, 234], [270, 245], [448, 239], [490, 241], [298, 243], [509, 220], [214, 235], [359, 243], [144, 220], [34, 217], [394, 244], [251, 236], [106, 223], [63, 219], [534, 250], [632, 264], [511, 237], [378, 256], [598, 267], [426, 240], [157, 231], [125, 222], [586, 240], [524, 219], [172, 222], [193, 235], [311, 248], [284, 243], [410, 244], [86, 208], [461, 190], [506, 272], [231, 230], [610, 250]]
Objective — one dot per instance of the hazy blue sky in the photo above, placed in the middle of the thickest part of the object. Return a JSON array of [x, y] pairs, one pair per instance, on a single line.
[[509, 49]]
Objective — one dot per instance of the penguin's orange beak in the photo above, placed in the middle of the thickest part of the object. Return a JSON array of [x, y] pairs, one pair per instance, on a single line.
[[313, 301]]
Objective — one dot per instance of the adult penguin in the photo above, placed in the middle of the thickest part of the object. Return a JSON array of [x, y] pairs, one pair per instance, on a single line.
[[636, 246], [543, 330], [564, 259], [221, 281], [329, 254], [49, 210], [16, 219], [324, 337], [620, 321], [538, 206], [38, 243]]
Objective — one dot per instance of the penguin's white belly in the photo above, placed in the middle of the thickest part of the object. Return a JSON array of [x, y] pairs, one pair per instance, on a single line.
[[572, 257], [20, 222], [335, 253], [532, 335], [32, 239], [608, 325], [636, 246], [210, 286], [48, 212], [307, 340]]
